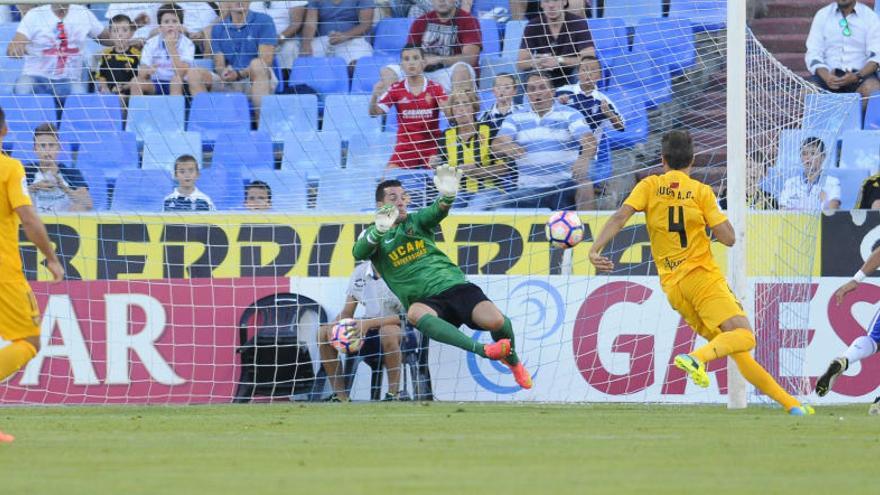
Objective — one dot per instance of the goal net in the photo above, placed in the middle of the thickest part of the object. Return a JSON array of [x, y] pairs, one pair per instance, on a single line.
[[214, 295]]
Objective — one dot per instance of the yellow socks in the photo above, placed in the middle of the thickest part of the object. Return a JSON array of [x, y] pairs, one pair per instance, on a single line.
[[14, 356], [758, 376], [725, 344]]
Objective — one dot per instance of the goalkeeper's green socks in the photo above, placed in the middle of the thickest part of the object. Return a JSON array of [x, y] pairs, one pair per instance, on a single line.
[[506, 332], [443, 331]]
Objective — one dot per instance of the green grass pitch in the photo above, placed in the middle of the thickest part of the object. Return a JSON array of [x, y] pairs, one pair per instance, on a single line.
[[442, 448]]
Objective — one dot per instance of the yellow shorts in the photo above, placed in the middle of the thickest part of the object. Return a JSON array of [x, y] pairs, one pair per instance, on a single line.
[[19, 314], [705, 301]]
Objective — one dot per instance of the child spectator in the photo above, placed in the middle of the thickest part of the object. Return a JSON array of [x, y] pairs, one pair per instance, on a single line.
[[418, 101], [257, 196], [117, 71], [186, 197], [54, 187], [504, 89], [168, 56]]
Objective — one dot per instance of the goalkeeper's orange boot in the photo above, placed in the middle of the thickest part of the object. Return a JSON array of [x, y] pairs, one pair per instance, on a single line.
[[6, 438], [520, 374], [497, 350]]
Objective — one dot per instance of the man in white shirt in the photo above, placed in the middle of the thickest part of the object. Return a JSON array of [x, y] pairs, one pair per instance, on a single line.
[[382, 312], [288, 18], [811, 190], [52, 39], [843, 48]]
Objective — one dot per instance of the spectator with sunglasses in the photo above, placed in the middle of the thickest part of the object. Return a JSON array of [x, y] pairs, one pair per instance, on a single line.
[[843, 48]]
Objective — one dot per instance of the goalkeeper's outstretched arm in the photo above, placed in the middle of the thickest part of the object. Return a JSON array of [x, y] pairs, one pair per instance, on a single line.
[[446, 180], [615, 223]]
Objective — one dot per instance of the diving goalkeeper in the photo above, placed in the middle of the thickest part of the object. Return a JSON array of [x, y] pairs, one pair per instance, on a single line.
[[678, 210], [437, 296]]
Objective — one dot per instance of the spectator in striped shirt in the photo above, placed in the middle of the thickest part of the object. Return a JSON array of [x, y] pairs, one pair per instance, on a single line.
[[552, 146]]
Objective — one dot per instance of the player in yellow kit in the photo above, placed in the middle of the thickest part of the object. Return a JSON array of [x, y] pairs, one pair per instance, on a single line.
[[677, 211], [19, 315]]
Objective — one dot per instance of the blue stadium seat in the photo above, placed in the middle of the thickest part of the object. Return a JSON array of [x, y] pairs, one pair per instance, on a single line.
[[282, 115], [668, 42], [415, 182], [391, 34], [513, 34], [10, 68], [635, 119], [326, 75], [247, 150], [312, 152], [610, 37], [100, 10], [289, 188], [631, 11], [366, 72], [161, 150], [370, 152], [487, 100], [213, 113], [224, 185], [835, 112], [491, 37], [155, 114], [349, 114], [90, 113], [99, 190], [860, 149], [638, 76], [850, 184], [346, 190], [601, 168], [26, 112], [486, 6], [141, 191], [112, 152], [705, 15]]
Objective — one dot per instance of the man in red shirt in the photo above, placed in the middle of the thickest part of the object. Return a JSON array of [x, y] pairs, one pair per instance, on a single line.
[[451, 40], [418, 101]]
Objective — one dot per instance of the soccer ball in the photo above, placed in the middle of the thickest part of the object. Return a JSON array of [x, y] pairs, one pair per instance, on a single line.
[[564, 229], [344, 336]]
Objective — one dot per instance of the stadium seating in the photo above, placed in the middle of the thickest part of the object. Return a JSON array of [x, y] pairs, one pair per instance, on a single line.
[[155, 114], [141, 190], [370, 152], [346, 190], [248, 150], [631, 11], [513, 33], [850, 184], [26, 112], [289, 188], [861, 150], [212, 113], [224, 185], [872, 113], [490, 36], [86, 116], [311, 152], [366, 72], [487, 6], [832, 111], [10, 68], [112, 153], [326, 75], [161, 150], [349, 114], [638, 76], [704, 15], [391, 34], [668, 42], [609, 37], [282, 115], [96, 181]]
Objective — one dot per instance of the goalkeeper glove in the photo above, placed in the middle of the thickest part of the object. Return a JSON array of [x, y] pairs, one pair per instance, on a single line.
[[385, 218], [447, 180]]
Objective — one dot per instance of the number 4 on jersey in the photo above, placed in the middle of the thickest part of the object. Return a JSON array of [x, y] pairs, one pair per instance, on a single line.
[[678, 225]]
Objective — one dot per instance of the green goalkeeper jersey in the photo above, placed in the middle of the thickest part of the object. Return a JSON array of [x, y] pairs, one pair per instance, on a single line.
[[407, 258]]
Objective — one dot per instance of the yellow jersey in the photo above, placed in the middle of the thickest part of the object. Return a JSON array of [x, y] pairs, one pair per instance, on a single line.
[[13, 193], [677, 211]]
